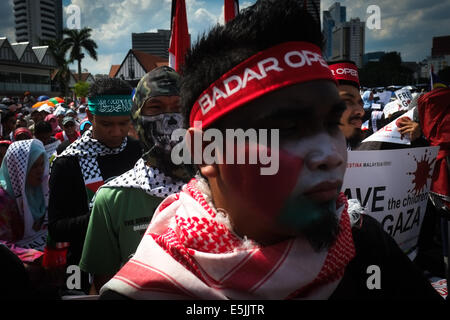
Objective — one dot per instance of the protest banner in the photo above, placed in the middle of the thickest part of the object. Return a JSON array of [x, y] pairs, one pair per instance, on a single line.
[[404, 96], [50, 148], [390, 133], [441, 287], [393, 187], [376, 106], [384, 96], [391, 108]]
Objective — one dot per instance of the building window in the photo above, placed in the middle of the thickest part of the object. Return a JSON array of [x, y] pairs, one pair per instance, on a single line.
[[9, 77], [35, 79]]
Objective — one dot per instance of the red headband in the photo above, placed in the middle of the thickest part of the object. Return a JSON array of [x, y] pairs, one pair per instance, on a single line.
[[345, 71], [277, 67], [22, 130]]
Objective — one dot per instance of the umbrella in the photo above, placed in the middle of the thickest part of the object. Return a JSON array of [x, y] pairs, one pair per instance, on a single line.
[[39, 104], [56, 100], [46, 107], [42, 98]]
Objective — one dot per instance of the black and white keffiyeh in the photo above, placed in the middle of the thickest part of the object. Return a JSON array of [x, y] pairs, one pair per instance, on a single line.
[[149, 179], [87, 149], [14, 180]]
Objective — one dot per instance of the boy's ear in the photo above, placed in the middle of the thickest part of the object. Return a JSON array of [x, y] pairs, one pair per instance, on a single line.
[[196, 145]]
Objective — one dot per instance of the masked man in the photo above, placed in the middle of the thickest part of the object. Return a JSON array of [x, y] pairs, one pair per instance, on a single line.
[[102, 153], [235, 233], [123, 207]]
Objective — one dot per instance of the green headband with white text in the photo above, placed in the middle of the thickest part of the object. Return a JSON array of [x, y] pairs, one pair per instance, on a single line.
[[110, 105]]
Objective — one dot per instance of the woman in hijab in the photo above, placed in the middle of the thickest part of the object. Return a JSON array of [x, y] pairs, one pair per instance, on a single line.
[[53, 120], [24, 195], [84, 126], [367, 98]]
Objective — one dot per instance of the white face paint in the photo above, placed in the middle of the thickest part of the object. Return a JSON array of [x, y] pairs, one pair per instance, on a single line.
[[324, 164]]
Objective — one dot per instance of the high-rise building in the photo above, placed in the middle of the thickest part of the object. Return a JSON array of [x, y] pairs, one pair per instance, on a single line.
[[332, 17], [156, 43], [37, 20], [440, 55], [441, 46], [338, 13], [348, 41], [327, 26]]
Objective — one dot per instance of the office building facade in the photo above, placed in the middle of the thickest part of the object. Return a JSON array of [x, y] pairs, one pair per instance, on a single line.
[[331, 18], [155, 43], [348, 41], [37, 20]]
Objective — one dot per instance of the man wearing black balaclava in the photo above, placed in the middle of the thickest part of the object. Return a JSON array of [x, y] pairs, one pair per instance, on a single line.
[[124, 207]]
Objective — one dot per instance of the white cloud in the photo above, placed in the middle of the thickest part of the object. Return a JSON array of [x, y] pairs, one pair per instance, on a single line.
[[403, 23]]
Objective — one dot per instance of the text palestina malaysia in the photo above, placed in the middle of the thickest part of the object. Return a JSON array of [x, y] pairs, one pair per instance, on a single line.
[[256, 147]]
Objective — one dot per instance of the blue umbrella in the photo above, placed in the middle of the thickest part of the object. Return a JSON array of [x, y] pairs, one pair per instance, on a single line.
[[42, 98]]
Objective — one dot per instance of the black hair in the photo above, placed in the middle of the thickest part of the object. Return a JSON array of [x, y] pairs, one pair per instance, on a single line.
[[259, 27], [63, 146], [7, 115], [42, 127], [111, 86]]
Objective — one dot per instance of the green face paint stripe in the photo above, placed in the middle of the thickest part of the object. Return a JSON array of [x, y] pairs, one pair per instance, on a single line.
[[299, 213]]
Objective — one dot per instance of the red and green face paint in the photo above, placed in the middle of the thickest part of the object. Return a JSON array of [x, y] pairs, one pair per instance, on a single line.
[[272, 197]]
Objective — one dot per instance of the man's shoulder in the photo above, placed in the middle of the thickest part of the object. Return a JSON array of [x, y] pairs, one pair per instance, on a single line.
[[117, 194], [65, 161], [370, 233]]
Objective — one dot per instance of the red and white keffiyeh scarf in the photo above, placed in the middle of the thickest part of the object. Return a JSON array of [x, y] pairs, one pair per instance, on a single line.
[[190, 252]]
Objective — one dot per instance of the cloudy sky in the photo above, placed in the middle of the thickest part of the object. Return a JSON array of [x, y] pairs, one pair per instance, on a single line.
[[407, 26]]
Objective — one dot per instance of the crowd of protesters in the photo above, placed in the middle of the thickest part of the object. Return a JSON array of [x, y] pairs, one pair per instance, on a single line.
[[93, 185]]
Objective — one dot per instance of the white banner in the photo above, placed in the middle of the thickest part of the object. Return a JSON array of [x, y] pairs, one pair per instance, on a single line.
[[391, 108], [384, 96], [393, 187], [390, 133], [404, 96], [50, 148]]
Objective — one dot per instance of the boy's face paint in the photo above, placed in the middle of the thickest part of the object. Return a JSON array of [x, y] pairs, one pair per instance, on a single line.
[[319, 182], [264, 194], [312, 162], [296, 196]]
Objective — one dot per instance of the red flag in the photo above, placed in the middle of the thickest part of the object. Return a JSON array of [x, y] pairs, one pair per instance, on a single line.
[[231, 9], [180, 40]]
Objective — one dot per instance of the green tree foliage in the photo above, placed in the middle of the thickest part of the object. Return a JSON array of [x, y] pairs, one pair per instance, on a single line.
[[81, 89], [59, 50], [77, 41]]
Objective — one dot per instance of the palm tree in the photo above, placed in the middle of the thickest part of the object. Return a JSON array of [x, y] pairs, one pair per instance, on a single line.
[[59, 50], [77, 40]]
